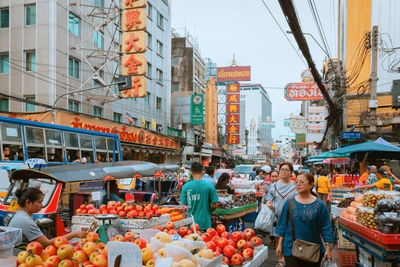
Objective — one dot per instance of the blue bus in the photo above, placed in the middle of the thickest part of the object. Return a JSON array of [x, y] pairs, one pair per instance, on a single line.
[[21, 140]]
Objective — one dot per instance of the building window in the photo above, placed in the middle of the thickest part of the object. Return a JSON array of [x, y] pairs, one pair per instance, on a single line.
[[147, 124], [149, 40], [158, 128], [28, 106], [73, 105], [159, 101], [73, 24], [98, 3], [30, 61], [159, 76], [175, 61], [73, 68], [147, 99], [160, 20], [117, 117], [149, 10], [149, 70], [4, 63], [98, 39], [4, 105], [4, 18], [160, 48], [30, 15], [97, 111]]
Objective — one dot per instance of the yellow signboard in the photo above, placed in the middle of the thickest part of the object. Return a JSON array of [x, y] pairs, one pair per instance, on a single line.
[[128, 4], [134, 42], [139, 84]]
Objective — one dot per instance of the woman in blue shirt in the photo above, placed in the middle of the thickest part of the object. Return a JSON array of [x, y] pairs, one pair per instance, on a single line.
[[311, 221]]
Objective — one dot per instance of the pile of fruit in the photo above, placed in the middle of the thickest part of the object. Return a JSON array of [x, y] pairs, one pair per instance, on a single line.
[[346, 202], [244, 199], [123, 210], [372, 197], [366, 217]]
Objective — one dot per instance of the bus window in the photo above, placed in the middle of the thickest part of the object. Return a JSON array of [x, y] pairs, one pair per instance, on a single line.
[[11, 133], [35, 143], [86, 148], [101, 157], [71, 140], [72, 147], [73, 155], [12, 152], [54, 146], [111, 146], [101, 149]]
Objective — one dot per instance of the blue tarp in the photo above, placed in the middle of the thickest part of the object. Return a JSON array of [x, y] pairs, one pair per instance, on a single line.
[[382, 141], [367, 147]]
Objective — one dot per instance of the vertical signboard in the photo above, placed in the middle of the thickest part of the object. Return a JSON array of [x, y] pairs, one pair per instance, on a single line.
[[197, 109], [134, 45], [233, 114]]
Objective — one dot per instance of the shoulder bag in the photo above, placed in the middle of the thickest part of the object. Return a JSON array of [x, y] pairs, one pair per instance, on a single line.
[[303, 250]]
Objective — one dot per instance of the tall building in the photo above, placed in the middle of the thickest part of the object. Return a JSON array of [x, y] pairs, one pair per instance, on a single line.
[[356, 20], [49, 49], [188, 78], [258, 109]]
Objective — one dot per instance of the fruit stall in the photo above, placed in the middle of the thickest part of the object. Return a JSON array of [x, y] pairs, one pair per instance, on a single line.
[[370, 223], [158, 247]]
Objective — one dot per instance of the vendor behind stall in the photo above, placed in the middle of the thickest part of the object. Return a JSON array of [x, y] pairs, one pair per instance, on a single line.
[[383, 182], [222, 183], [30, 200], [114, 191]]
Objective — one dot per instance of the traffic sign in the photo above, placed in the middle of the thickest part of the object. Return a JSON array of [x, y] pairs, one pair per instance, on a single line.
[[351, 135]]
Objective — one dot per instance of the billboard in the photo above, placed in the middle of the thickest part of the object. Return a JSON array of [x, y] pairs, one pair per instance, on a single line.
[[303, 91], [233, 74], [233, 114]]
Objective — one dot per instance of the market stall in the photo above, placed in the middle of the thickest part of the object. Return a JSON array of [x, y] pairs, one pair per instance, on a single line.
[[370, 224]]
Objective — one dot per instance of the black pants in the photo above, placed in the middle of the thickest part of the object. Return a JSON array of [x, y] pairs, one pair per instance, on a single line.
[[291, 261]]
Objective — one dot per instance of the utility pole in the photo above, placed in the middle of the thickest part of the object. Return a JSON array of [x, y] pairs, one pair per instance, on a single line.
[[373, 101]]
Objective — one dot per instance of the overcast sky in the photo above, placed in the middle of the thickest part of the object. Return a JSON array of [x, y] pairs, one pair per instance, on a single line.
[[246, 28]]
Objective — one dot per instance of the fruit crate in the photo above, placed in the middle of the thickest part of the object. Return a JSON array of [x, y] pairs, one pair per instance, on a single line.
[[348, 259], [343, 243]]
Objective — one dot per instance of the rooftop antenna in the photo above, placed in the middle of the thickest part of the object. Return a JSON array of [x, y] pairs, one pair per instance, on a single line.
[[234, 63]]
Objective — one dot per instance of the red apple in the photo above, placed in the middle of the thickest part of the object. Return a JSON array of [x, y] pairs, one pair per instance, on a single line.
[[138, 208], [241, 244], [78, 211], [34, 247], [80, 256], [221, 228], [22, 257], [90, 207], [211, 245], [211, 232], [256, 241], [232, 243], [59, 241], [33, 260], [205, 237], [65, 251], [92, 236], [119, 238], [83, 207], [229, 251], [249, 233], [93, 256], [157, 212], [104, 212], [141, 243], [196, 226], [222, 242], [250, 245], [226, 235], [66, 263], [84, 211], [129, 235], [247, 253], [154, 208], [236, 236], [237, 259], [149, 215], [81, 243], [183, 231], [170, 225], [100, 261], [158, 227], [45, 255], [219, 250], [142, 214], [97, 211], [215, 239], [52, 261], [89, 247], [103, 207], [225, 260]]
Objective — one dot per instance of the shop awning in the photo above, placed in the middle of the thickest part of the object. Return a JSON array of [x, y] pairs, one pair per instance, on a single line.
[[368, 146]]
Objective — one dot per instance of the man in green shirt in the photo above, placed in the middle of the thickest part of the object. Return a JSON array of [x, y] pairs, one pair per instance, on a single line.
[[200, 196]]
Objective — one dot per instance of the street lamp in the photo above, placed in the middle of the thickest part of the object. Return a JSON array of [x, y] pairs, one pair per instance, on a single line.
[[309, 34], [124, 82]]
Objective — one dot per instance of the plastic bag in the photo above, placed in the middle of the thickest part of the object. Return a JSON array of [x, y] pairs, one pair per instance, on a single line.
[[265, 219], [328, 263]]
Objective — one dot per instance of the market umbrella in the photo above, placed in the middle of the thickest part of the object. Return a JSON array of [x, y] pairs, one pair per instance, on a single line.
[[382, 141], [337, 161], [327, 155], [368, 146]]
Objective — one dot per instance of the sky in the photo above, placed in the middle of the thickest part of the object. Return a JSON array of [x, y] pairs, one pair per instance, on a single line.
[[246, 28]]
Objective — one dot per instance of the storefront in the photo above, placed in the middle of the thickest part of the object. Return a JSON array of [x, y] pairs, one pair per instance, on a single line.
[[136, 143]]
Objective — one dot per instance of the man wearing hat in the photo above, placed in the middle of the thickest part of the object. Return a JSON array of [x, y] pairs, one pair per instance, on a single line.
[[383, 182]]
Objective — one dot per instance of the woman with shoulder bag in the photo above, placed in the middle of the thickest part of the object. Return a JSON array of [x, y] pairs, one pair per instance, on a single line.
[[278, 193], [303, 221]]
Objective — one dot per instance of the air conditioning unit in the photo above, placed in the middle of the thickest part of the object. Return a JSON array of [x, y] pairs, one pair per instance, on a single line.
[[396, 93]]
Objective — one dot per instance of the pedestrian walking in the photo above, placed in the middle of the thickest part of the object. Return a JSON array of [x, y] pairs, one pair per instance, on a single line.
[[323, 185], [304, 218]]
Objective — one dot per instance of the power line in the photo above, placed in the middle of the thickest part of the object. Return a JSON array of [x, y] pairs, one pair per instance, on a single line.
[[320, 28], [287, 38]]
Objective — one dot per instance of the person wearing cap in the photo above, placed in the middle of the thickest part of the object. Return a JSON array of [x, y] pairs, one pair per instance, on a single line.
[[383, 182], [365, 175], [392, 177], [267, 171]]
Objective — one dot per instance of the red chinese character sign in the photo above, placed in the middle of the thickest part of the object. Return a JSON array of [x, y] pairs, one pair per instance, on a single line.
[[233, 114], [134, 45]]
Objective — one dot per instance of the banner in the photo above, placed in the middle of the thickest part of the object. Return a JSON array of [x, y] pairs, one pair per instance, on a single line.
[[233, 114], [233, 74], [197, 109], [303, 91]]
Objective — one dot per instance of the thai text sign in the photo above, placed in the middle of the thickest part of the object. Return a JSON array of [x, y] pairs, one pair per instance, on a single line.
[[233, 114], [302, 91], [233, 74], [197, 109]]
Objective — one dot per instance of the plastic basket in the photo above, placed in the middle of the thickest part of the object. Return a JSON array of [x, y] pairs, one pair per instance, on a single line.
[[343, 243], [348, 259]]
